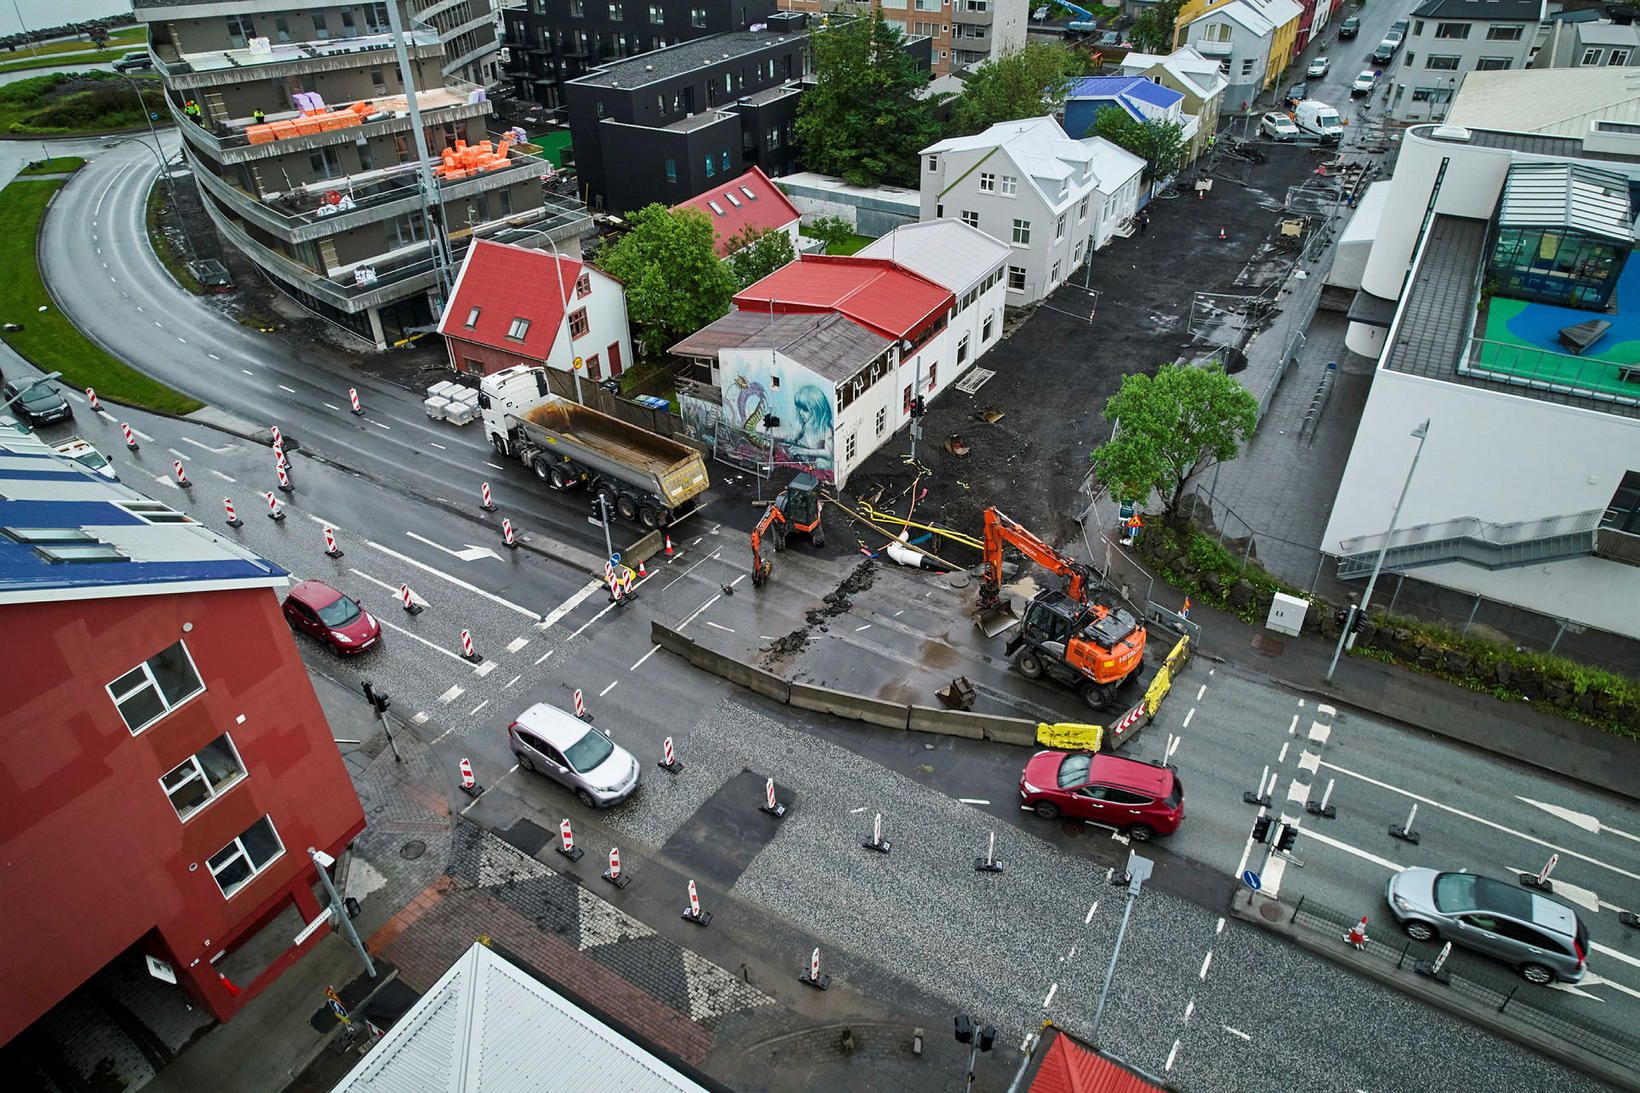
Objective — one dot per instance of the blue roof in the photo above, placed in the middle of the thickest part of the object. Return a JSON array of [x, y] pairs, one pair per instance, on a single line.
[[1124, 91], [51, 504]]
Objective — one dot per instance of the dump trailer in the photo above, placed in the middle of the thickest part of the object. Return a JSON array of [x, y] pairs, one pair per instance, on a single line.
[[641, 476]]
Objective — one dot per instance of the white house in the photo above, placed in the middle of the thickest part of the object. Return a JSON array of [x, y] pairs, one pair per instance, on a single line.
[[1242, 36], [1022, 182], [967, 263], [1118, 185], [513, 305], [1448, 40]]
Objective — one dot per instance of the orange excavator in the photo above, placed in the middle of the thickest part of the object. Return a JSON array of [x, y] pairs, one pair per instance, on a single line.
[[1083, 637], [795, 508]]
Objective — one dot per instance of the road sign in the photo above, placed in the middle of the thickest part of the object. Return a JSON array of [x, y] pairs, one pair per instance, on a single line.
[[1251, 879], [312, 928]]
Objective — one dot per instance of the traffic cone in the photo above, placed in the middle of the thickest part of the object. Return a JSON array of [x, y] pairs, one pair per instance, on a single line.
[[668, 551], [642, 572], [1357, 935], [1222, 236]]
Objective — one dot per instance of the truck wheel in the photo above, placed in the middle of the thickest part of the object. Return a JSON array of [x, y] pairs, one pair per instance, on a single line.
[[543, 468], [1098, 696], [1028, 664], [817, 537], [559, 478], [607, 503], [649, 518], [499, 443], [626, 507]]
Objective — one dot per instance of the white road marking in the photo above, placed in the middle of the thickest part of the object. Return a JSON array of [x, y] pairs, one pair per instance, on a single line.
[[1053, 990], [213, 356], [1325, 710], [424, 641], [1583, 897], [484, 669], [333, 406], [1309, 760], [181, 339], [1327, 840], [1207, 962], [544, 656], [1482, 820], [1275, 867], [973, 800], [1172, 1057], [439, 446], [1298, 792], [451, 695], [1613, 953], [1188, 718], [75, 397], [497, 466], [140, 434], [322, 522], [737, 580], [1579, 819], [247, 371], [609, 688], [1590, 979], [164, 481], [694, 567], [1089, 917], [1189, 1008], [468, 553], [206, 447], [699, 609], [287, 390], [179, 455], [420, 718], [1319, 732], [1292, 726], [1201, 691], [1282, 758], [853, 811], [379, 425], [415, 597], [1219, 929], [643, 658], [457, 581], [867, 626], [1237, 1032], [511, 681], [162, 327], [719, 626], [516, 644], [478, 707], [568, 605], [222, 476]]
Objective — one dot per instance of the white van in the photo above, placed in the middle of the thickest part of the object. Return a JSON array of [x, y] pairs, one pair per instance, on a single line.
[[1316, 119]]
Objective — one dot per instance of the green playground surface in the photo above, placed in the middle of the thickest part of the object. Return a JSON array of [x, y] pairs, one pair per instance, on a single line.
[[1520, 339]]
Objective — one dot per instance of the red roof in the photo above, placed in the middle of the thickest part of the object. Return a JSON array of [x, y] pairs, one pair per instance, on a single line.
[[503, 283], [1068, 1067], [750, 201], [874, 292]]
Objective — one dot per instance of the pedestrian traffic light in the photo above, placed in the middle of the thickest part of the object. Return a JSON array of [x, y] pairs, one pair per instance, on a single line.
[[1287, 837], [919, 406], [987, 1037], [1261, 829], [965, 1029], [378, 699]]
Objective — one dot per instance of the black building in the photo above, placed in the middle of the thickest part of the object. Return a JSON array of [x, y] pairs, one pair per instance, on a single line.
[[549, 42], [665, 126]]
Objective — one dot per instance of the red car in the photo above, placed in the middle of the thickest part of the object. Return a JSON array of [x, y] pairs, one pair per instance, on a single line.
[[335, 619], [1140, 799]]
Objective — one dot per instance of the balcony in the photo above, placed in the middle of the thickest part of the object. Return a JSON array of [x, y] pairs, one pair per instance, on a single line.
[[972, 18], [231, 142], [231, 66]]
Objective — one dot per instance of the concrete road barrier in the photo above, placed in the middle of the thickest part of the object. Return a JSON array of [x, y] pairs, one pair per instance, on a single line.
[[973, 726], [873, 711], [753, 679]]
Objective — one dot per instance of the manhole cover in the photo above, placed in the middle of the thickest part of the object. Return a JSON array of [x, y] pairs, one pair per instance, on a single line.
[[1272, 912], [957, 580], [412, 850]]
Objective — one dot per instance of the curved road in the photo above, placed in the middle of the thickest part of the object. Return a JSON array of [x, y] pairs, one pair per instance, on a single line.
[[95, 255]]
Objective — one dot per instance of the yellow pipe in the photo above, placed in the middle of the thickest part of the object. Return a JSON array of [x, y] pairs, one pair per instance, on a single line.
[[867, 512]]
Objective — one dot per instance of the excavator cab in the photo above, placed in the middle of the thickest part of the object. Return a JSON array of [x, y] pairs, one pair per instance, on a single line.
[[797, 508]]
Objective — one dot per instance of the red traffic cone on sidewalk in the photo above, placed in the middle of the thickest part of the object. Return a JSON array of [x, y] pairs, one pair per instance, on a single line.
[[1357, 935], [1222, 236]]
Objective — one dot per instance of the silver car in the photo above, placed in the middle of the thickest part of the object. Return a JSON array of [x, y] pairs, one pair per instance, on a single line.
[[1541, 937], [568, 750]]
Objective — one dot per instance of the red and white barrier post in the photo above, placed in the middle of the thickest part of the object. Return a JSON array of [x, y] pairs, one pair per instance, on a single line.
[[91, 397], [487, 503], [467, 652], [581, 706], [331, 549], [613, 874], [1357, 934], [130, 439], [182, 475], [568, 848], [695, 914], [274, 512], [353, 397], [812, 977], [278, 437], [877, 843], [410, 604], [233, 520], [770, 805], [1541, 880], [508, 539], [469, 784], [284, 478], [670, 762]]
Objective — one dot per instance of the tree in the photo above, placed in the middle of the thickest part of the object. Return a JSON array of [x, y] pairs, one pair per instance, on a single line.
[[1159, 143], [1153, 30], [1172, 426], [754, 254], [669, 266], [1023, 83], [830, 230], [862, 120]]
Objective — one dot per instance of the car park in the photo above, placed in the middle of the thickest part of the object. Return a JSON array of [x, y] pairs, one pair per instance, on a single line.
[[1364, 83], [1318, 68], [333, 617], [80, 451], [140, 58], [1541, 937], [575, 754], [1278, 126], [1350, 27], [1140, 799], [36, 403]]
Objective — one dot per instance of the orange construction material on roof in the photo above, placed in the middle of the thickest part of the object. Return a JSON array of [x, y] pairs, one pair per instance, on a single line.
[[1068, 1067], [260, 134], [362, 108]]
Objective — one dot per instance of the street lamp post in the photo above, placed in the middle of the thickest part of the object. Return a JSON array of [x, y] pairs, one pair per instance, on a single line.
[[164, 168], [1348, 633], [1138, 871], [338, 907]]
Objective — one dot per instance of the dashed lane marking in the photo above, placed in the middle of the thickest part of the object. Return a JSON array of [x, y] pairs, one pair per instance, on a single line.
[[544, 656], [1201, 691], [1319, 732], [1052, 990], [437, 445], [699, 609], [213, 356], [609, 688], [719, 626], [1292, 728], [511, 681], [451, 695], [333, 406], [1089, 917], [140, 434], [497, 466], [418, 637], [1188, 717], [1298, 792], [643, 658], [379, 425], [1207, 962], [1282, 757], [516, 644], [1219, 929], [973, 801], [222, 476], [1236, 1032], [867, 626], [737, 580], [179, 455], [206, 447], [1189, 1008], [1172, 1057], [480, 706], [287, 390]]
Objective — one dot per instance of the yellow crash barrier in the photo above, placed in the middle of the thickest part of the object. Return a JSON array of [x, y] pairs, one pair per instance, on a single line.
[[1070, 736]]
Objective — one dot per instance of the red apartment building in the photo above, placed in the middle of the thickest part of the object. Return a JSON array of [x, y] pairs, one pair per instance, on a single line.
[[167, 763]]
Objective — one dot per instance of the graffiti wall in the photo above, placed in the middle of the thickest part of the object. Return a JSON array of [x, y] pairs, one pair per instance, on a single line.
[[757, 384]]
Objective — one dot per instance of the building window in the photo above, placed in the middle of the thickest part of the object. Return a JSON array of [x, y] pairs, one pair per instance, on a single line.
[[970, 218], [203, 777], [724, 161], [939, 212], [240, 30], [1592, 56], [617, 14], [1010, 185], [985, 330], [320, 31], [987, 182], [977, 5], [155, 687], [1623, 514], [518, 329], [711, 166], [933, 163], [882, 419], [657, 14], [583, 285], [925, 30], [1216, 32], [1504, 34], [1082, 210], [235, 864], [851, 447], [1618, 57], [472, 317], [1059, 228], [1016, 278], [578, 325], [1451, 30], [1022, 232], [281, 28], [697, 17], [962, 349], [671, 170], [1444, 64], [1247, 66], [1494, 64], [927, 5], [577, 9], [1053, 274]]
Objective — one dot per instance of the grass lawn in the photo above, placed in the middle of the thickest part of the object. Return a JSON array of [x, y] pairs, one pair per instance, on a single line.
[[850, 245], [120, 43], [165, 249], [49, 341], [76, 102], [58, 165]]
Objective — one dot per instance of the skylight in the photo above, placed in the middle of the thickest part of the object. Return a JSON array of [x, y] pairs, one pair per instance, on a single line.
[[80, 552], [48, 535], [154, 512], [472, 317], [518, 329], [733, 200], [749, 195], [715, 207]]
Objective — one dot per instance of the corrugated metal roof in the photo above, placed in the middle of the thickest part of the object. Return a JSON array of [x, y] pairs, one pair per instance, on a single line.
[[947, 252], [499, 284], [876, 294], [1551, 101], [1068, 1067], [1567, 195], [487, 1026]]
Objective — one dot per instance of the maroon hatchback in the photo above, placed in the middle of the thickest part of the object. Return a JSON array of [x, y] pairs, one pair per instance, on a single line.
[[335, 619], [1137, 798]]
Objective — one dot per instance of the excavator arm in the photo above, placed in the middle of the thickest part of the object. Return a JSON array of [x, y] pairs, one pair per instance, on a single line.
[[1003, 531], [760, 567]]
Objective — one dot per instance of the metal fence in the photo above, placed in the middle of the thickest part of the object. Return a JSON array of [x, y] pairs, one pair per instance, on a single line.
[[1507, 994]]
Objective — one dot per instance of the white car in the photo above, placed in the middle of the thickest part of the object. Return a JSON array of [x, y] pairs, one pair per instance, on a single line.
[[1318, 68], [1278, 127], [1364, 83], [81, 452]]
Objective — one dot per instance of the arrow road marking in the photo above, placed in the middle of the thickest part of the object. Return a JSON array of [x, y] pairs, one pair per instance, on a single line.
[[470, 553], [207, 447], [1580, 819], [1583, 897]]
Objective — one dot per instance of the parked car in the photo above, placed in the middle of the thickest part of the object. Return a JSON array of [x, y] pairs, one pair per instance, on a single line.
[[333, 617], [1297, 93], [1350, 27], [568, 750], [1141, 799], [80, 451], [140, 58], [1400, 26], [1385, 51], [36, 403], [1364, 83], [1318, 68], [1542, 937], [1278, 126]]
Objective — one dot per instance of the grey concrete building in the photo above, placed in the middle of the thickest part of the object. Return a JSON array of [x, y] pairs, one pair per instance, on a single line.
[[1579, 40], [1448, 40], [296, 125]]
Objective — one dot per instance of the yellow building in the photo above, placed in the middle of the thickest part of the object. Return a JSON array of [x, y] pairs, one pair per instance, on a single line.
[[1253, 41]]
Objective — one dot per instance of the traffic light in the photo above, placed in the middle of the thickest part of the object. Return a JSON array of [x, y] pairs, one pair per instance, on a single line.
[[1261, 829], [987, 1037], [378, 699], [1359, 623], [919, 406], [1287, 837], [770, 421], [965, 1029]]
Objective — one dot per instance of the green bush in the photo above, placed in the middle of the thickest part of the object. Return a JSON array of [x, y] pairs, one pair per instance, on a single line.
[[68, 102]]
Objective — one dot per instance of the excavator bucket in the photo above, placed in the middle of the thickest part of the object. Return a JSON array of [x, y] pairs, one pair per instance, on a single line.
[[995, 620]]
